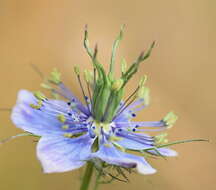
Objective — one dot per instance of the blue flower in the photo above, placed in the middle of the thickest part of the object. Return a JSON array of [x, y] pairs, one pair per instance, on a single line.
[[102, 130], [66, 144]]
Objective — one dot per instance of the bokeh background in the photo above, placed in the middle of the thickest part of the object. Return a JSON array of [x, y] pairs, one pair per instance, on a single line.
[[181, 70]]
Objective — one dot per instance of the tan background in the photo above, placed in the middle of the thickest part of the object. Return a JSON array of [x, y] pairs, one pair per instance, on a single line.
[[48, 33]]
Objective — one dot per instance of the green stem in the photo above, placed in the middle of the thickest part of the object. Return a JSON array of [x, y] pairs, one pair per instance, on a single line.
[[97, 180], [87, 176]]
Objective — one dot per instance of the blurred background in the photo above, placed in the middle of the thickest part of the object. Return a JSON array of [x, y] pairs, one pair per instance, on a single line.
[[181, 70]]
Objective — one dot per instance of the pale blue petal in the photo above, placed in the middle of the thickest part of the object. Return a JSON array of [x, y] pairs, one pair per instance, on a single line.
[[59, 154], [140, 124], [164, 152], [113, 156], [32, 120], [137, 137], [71, 97], [131, 144]]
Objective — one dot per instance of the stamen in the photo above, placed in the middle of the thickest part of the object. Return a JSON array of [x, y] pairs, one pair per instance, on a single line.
[[68, 135], [170, 119], [123, 106], [55, 77], [65, 127], [61, 118], [80, 83], [40, 96], [37, 70], [38, 106]]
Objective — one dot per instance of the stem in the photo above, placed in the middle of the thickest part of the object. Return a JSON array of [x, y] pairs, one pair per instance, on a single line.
[[97, 180], [87, 176]]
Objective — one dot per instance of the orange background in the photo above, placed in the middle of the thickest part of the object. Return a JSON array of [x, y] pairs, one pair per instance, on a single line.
[[49, 33]]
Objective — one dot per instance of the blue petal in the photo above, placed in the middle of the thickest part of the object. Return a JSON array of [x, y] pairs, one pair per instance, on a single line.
[[64, 91], [32, 120], [127, 113], [140, 124], [113, 156], [59, 154], [131, 144], [164, 152], [137, 137]]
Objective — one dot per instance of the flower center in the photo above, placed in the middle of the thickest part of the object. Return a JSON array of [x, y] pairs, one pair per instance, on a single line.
[[100, 129]]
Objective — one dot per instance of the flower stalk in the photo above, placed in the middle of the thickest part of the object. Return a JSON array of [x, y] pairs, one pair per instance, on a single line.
[[87, 176]]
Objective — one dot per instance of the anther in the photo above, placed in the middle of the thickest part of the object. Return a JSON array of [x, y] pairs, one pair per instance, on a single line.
[[61, 118], [68, 135], [65, 127]]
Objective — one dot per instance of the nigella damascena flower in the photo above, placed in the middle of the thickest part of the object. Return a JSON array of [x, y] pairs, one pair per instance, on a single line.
[[103, 129]]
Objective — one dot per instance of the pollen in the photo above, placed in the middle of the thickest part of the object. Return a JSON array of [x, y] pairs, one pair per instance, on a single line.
[[65, 127], [38, 106], [68, 135], [61, 118]]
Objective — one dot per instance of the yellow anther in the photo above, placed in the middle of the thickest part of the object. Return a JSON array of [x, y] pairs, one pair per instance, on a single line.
[[143, 93], [107, 145], [121, 148], [143, 80], [65, 127], [115, 138], [161, 138], [38, 106], [46, 86], [39, 95], [55, 76], [68, 135], [170, 119], [77, 70], [61, 118]]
